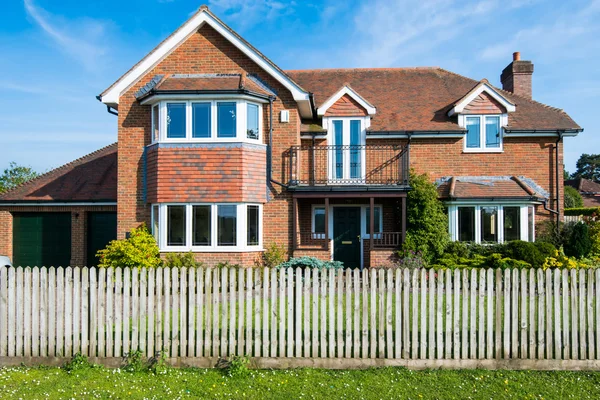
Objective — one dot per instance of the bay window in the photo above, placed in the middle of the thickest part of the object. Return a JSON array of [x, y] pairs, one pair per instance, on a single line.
[[484, 132], [491, 223], [207, 227]]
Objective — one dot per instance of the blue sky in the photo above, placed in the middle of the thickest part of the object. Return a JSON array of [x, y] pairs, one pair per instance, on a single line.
[[57, 56]]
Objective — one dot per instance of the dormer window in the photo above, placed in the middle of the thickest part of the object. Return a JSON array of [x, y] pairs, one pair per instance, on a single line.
[[484, 133], [227, 120]]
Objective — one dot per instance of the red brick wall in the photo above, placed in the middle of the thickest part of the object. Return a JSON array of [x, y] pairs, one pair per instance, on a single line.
[[6, 233], [484, 104], [346, 106], [209, 174]]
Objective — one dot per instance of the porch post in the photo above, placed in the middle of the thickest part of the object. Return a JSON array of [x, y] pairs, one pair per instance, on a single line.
[[403, 218], [294, 224], [326, 223], [372, 220]]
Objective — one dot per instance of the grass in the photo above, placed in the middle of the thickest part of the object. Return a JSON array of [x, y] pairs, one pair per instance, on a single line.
[[385, 383]]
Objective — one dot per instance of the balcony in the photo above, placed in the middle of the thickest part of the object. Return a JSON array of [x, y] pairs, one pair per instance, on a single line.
[[355, 165]]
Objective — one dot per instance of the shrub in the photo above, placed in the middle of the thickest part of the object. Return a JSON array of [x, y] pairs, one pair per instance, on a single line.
[[410, 259], [494, 260], [546, 249], [459, 249], [134, 361], [572, 198], [583, 211], [227, 265], [311, 262], [594, 234], [525, 251], [78, 362], [273, 255], [238, 366], [579, 244], [427, 222], [182, 260], [138, 251]]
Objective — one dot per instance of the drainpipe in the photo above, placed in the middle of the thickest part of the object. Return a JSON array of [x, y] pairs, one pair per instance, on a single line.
[[270, 148], [545, 202], [108, 108]]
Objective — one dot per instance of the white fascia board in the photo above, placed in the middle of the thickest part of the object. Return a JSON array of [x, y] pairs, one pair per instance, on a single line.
[[43, 204], [484, 87], [111, 97], [343, 91]]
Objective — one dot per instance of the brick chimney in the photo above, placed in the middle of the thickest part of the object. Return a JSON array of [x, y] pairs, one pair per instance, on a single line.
[[516, 77]]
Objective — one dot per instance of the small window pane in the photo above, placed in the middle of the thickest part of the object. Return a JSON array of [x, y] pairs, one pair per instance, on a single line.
[[252, 122], [319, 220], [201, 222], [155, 220], [226, 120], [155, 123], [200, 120], [489, 224], [531, 220], [227, 225], [176, 120], [377, 213], [253, 225], [355, 150], [473, 139], [512, 223], [466, 224], [175, 225], [338, 137], [492, 132]]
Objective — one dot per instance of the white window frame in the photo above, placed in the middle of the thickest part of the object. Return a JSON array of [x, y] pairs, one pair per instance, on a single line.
[[241, 228], [241, 121], [524, 235], [462, 121], [364, 124], [364, 229]]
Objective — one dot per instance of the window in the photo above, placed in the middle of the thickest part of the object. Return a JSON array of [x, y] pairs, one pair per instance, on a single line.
[[207, 227], [484, 133], [206, 121], [491, 223], [318, 222], [378, 219], [347, 157], [176, 120]]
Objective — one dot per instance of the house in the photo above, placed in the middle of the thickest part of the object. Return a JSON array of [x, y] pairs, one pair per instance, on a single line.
[[588, 189], [222, 153]]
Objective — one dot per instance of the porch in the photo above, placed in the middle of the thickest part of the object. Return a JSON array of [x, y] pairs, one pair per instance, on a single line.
[[358, 229]]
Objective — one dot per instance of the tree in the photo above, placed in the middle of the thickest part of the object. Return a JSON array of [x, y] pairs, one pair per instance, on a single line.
[[14, 176], [572, 198], [588, 167], [566, 174]]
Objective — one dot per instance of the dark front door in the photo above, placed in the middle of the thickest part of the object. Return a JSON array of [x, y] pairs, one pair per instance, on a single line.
[[102, 228], [346, 236]]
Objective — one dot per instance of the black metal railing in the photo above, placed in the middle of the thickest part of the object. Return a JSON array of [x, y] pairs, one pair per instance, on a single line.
[[387, 239], [349, 165]]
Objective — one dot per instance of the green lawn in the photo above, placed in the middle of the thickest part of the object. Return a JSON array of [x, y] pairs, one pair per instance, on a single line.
[[386, 383]]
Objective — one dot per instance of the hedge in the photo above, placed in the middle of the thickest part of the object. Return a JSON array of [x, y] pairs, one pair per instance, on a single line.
[[582, 211]]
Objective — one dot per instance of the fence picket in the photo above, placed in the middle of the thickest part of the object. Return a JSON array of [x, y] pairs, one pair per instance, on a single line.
[[150, 351], [473, 315], [331, 344], [590, 312], [482, 315], [76, 309], [349, 288], [357, 313], [27, 312], [12, 313], [4, 311], [365, 314], [431, 324], [597, 310], [241, 311], [281, 315], [19, 314], [249, 295], [456, 315], [183, 343], [439, 325], [290, 311], [232, 310], [110, 273], [524, 321], [465, 315], [532, 315], [119, 312], [200, 301], [306, 316], [43, 298], [93, 334], [215, 308], [507, 316], [397, 314], [127, 310], [541, 313], [166, 314], [423, 316], [449, 317], [322, 316], [498, 315], [175, 310], [380, 314], [489, 353], [557, 315], [574, 316], [35, 312], [224, 339], [565, 308], [549, 315], [257, 312], [273, 314], [266, 341], [582, 316], [298, 318], [135, 309]]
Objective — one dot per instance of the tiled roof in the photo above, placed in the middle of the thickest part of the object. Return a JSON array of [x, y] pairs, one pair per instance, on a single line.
[[584, 185], [91, 178], [590, 200], [488, 187], [418, 99], [203, 83]]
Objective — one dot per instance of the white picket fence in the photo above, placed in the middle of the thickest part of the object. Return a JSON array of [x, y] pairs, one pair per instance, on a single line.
[[351, 314]]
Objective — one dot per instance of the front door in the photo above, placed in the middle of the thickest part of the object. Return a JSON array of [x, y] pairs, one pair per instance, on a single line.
[[346, 236]]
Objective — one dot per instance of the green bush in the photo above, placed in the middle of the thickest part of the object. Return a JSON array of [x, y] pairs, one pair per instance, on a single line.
[[138, 251], [273, 255], [572, 198], [546, 249], [579, 244], [311, 262], [594, 233], [426, 222], [134, 361], [238, 366], [77, 363], [525, 251], [226, 264], [585, 211], [182, 260], [494, 260]]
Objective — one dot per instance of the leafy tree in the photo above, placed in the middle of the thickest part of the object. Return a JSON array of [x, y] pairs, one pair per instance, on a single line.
[[14, 176], [572, 198], [588, 167], [427, 222], [566, 174]]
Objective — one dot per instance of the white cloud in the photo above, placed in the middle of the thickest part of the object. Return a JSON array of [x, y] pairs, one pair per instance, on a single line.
[[247, 13], [83, 40]]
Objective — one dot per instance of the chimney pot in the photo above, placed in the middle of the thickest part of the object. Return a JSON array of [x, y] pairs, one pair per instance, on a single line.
[[516, 56]]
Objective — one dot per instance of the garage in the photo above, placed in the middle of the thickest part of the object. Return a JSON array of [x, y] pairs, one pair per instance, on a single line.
[[101, 229], [42, 239]]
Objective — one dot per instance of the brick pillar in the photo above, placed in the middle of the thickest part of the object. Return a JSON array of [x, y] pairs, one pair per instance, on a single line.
[[78, 238], [6, 234]]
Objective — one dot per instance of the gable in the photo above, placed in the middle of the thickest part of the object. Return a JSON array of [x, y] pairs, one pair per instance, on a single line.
[[484, 104], [346, 106]]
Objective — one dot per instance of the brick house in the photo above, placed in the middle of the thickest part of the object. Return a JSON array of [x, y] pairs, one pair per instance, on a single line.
[[588, 189], [222, 153]]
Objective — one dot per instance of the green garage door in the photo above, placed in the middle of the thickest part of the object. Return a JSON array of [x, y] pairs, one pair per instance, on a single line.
[[102, 228], [42, 239]]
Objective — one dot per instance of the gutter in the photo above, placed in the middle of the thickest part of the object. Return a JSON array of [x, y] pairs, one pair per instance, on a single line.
[[109, 109], [153, 92]]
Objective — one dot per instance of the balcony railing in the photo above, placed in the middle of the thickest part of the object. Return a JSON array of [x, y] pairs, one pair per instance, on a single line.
[[385, 165], [387, 239]]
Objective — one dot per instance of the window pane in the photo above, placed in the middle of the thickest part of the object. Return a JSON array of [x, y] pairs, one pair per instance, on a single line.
[[492, 131], [489, 224], [201, 120], [355, 168], [473, 139], [201, 226], [338, 138], [253, 225], [252, 122], [377, 213], [176, 120], [319, 220], [512, 223], [227, 225], [466, 224], [175, 225], [226, 120], [155, 222], [531, 219], [155, 123]]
